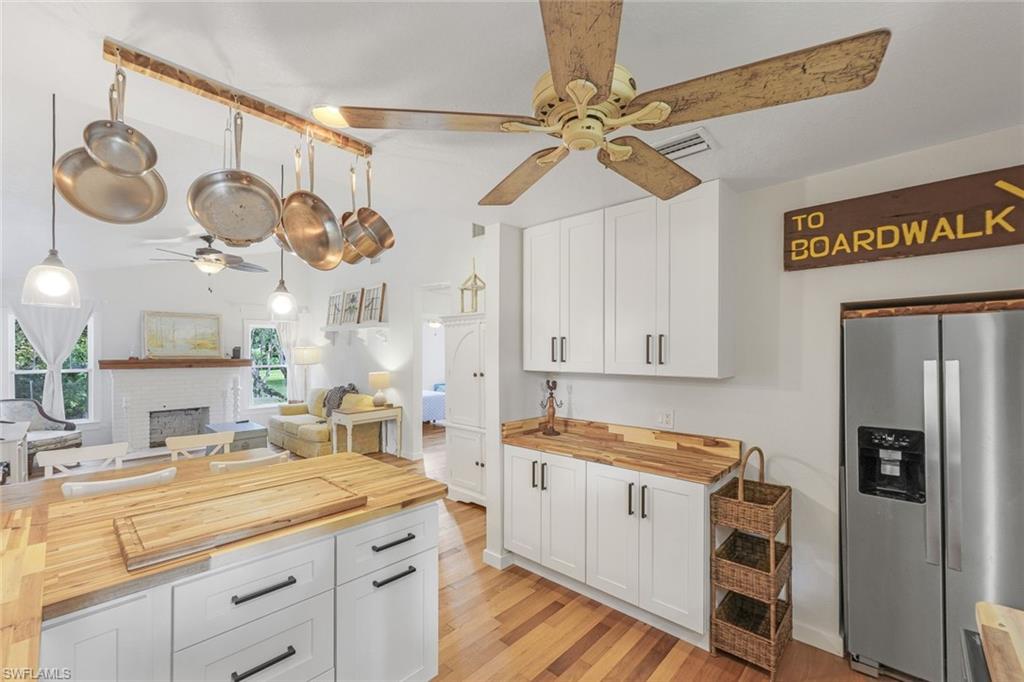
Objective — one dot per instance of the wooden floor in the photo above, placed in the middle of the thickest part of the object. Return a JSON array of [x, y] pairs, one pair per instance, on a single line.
[[514, 625]]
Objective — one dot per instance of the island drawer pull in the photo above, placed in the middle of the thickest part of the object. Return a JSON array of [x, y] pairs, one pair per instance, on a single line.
[[393, 543], [397, 576], [238, 677], [236, 600]]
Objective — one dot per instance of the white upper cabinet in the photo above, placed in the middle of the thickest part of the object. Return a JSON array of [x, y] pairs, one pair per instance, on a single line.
[[563, 295]]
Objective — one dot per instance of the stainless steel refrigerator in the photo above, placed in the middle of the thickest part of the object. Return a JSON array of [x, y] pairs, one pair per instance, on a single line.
[[932, 483]]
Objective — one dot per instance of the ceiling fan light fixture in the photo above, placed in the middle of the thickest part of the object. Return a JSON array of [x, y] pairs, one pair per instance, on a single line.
[[330, 116], [208, 266]]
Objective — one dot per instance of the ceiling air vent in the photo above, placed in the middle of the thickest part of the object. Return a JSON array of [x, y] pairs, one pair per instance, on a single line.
[[478, 230], [693, 142]]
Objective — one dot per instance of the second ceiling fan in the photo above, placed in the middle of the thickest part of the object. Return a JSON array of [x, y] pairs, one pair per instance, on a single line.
[[586, 95]]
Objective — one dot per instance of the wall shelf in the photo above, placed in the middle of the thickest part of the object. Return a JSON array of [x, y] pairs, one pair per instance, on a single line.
[[174, 363]]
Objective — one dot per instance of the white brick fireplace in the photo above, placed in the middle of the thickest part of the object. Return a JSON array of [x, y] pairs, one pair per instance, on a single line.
[[137, 392]]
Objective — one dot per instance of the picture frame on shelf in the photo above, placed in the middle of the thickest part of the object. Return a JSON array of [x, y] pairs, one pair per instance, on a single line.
[[334, 305], [180, 335], [372, 308], [351, 306]]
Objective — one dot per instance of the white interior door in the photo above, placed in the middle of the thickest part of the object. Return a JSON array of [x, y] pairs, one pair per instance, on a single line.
[[631, 246], [464, 450], [463, 403], [673, 550], [613, 531], [564, 515], [522, 502], [541, 262], [581, 344]]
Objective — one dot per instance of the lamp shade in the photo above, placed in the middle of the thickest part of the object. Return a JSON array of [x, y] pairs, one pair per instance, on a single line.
[[51, 283], [379, 380], [306, 355]]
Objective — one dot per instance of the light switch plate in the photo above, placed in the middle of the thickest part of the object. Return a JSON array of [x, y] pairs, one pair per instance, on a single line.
[[666, 418]]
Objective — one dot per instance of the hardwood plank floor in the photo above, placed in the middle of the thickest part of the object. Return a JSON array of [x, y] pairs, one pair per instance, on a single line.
[[514, 625]]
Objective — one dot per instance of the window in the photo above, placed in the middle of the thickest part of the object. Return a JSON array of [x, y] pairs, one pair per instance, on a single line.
[[76, 373], [269, 373]]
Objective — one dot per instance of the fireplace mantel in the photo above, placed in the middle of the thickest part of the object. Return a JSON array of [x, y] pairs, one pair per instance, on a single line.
[[174, 363]]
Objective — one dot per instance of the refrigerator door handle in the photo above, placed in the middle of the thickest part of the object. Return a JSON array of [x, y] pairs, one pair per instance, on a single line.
[[932, 465], [954, 468]]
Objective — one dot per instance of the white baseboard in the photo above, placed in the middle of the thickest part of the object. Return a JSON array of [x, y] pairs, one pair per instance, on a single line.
[[831, 642], [496, 560], [685, 634]]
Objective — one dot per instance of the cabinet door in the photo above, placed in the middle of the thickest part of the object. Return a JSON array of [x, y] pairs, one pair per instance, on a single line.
[[630, 278], [673, 550], [387, 622], [581, 343], [540, 297], [125, 641], [465, 451], [522, 502], [689, 296], [463, 395], [613, 530], [563, 514]]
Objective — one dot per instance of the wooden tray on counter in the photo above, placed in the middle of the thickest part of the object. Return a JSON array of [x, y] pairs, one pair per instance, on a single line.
[[154, 537]]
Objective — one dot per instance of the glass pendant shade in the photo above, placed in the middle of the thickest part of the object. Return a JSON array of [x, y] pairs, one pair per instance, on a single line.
[[210, 267], [282, 303], [51, 283]]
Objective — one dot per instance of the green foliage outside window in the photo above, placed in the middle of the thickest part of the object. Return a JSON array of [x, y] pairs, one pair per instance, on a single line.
[[269, 374], [30, 368]]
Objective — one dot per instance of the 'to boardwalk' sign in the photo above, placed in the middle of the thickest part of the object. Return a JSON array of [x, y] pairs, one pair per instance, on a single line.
[[972, 212]]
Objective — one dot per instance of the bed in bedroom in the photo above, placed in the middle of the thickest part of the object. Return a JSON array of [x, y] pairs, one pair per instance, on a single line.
[[433, 404]]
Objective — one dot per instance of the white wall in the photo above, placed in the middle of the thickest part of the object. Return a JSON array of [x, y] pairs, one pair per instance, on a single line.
[[785, 395], [433, 356]]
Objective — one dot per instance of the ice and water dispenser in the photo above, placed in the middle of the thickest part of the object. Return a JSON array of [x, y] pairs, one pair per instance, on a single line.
[[891, 463]]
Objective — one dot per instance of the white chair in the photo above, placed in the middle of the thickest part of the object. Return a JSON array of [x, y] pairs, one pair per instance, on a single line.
[[242, 464], [109, 456], [114, 485], [197, 445]]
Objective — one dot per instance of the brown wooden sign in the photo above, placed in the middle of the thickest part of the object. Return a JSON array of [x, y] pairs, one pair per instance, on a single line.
[[971, 212]]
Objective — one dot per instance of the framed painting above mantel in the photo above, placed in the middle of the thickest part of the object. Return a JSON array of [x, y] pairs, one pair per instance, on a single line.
[[180, 335]]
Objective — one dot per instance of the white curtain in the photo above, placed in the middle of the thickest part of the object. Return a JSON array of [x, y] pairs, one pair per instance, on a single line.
[[53, 333], [288, 335]]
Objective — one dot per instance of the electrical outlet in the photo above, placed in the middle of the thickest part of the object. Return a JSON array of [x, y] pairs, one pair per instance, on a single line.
[[666, 418]]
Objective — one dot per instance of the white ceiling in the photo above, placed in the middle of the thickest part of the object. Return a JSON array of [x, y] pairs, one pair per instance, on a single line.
[[952, 70]]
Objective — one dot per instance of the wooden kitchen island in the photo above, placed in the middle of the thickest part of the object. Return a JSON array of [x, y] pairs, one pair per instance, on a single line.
[[329, 598]]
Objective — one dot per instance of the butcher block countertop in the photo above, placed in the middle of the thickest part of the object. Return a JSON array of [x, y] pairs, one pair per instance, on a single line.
[[62, 555], [700, 459]]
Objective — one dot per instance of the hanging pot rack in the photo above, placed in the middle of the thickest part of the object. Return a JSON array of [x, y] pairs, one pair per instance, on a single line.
[[154, 67]]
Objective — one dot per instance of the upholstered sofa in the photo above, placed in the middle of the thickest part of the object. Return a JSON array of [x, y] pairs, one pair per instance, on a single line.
[[305, 430], [44, 432]]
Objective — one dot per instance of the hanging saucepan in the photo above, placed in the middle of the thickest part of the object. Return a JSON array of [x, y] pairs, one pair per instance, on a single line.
[[350, 255], [370, 233], [279, 236], [236, 207], [98, 193], [309, 224], [117, 147]]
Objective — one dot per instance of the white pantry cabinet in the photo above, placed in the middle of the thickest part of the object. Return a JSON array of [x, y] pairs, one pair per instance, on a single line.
[[563, 295], [546, 510], [464, 338]]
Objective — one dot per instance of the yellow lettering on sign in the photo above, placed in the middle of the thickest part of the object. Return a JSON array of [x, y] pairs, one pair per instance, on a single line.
[[1011, 188], [841, 244], [819, 252], [992, 220], [943, 230], [915, 232], [799, 220], [960, 234], [888, 229], [815, 220], [798, 249], [862, 240]]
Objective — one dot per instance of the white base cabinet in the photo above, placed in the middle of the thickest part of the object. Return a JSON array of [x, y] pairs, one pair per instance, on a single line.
[[464, 450]]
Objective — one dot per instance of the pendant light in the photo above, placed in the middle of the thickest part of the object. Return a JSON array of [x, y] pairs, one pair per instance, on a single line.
[[51, 283], [282, 303]]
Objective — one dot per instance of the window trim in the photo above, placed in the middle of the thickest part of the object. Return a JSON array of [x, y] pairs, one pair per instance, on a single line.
[[250, 402], [89, 369]]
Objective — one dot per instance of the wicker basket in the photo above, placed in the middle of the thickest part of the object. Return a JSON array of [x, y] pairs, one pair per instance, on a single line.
[[741, 627], [752, 506], [743, 563]]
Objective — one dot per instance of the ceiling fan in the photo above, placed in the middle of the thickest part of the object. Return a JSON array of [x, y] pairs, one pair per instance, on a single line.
[[586, 95], [210, 260]]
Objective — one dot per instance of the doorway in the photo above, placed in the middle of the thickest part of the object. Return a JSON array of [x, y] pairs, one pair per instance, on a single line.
[[435, 463]]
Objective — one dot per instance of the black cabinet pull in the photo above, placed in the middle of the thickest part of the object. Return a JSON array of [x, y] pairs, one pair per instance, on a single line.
[[543, 476], [474, 373], [643, 502], [397, 576], [236, 600], [393, 543], [661, 349], [647, 348], [562, 345], [533, 474], [629, 500], [554, 353], [238, 677]]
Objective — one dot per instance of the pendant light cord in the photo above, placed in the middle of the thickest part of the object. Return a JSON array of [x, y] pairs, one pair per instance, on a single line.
[[53, 161]]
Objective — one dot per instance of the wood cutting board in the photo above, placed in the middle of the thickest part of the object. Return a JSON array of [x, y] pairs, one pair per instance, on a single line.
[[1002, 636], [157, 536]]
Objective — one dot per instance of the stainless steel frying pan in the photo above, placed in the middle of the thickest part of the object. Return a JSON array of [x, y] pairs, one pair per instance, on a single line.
[[309, 224], [235, 206], [119, 148]]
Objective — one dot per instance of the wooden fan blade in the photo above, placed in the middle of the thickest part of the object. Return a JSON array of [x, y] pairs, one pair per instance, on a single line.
[[582, 38], [524, 176], [649, 170], [246, 267], [840, 66], [415, 119]]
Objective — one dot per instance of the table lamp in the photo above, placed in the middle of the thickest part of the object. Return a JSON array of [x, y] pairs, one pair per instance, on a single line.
[[378, 382], [305, 356]]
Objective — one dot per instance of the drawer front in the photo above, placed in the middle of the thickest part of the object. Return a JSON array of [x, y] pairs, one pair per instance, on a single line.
[[388, 622], [216, 602], [296, 643], [373, 546]]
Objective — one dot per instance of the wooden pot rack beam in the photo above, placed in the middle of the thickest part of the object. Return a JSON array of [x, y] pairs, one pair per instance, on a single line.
[[134, 59]]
